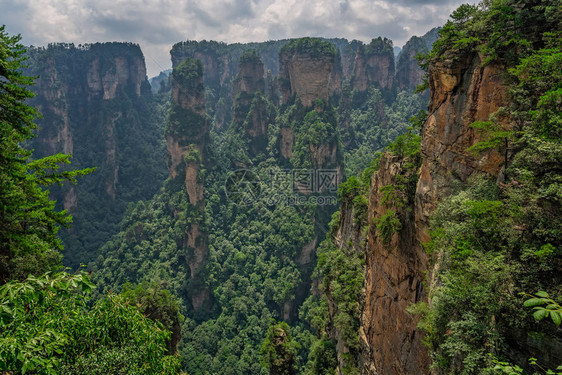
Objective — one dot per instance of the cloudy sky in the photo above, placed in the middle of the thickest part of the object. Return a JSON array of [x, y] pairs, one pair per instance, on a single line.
[[157, 24]]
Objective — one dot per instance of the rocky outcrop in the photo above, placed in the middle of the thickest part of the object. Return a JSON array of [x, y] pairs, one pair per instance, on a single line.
[[395, 272], [408, 72], [250, 77], [94, 100], [121, 72], [310, 70], [250, 105], [462, 91], [186, 138], [374, 65]]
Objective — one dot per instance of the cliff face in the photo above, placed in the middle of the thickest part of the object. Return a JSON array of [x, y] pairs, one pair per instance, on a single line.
[[186, 138], [250, 106], [309, 75], [461, 92], [408, 72], [374, 65], [95, 103], [395, 271]]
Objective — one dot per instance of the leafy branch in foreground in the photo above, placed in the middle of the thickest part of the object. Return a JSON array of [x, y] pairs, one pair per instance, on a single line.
[[48, 328], [544, 307]]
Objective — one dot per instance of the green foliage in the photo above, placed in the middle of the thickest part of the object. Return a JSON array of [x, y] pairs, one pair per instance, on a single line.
[[49, 328], [342, 272], [29, 221], [406, 145], [323, 357], [279, 350], [250, 55], [499, 29], [375, 124], [552, 308], [316, 131], [349, 189], [158, 304], [314, 47], [378, 45], [387, 224], [493, 241], [189, 74]]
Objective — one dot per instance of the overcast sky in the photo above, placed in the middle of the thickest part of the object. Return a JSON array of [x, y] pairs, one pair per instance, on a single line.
[[157, 24]]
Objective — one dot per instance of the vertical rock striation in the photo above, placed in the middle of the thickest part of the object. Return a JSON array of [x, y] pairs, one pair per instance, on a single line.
[[395, 272], [310, 69], [186, 138], [250, 105], [462, 91], [374, 65], [96, 103]]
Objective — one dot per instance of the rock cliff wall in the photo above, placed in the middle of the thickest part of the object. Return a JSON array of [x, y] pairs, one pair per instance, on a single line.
[[374, 65], [250, 105], [395, 272], [308, 76], [462, 91], [186, 138], [95, 104]]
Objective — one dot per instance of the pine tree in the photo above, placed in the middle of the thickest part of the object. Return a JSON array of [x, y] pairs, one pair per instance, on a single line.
[[29, 221]]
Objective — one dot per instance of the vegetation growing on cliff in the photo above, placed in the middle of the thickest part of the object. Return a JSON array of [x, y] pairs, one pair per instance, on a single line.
[[119, 132], [313, 47], [494, 240], [261, 256]]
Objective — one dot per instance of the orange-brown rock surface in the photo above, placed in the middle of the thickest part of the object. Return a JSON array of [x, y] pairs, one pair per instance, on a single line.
[[395, 272], [462, 91], [186, 139], [309, 77], [374, 64]]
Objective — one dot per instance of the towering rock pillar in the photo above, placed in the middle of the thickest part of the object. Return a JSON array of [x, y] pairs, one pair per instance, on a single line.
[[309, 68], [374, 65], [96, 105], [186, 138], [462, 92], [250, 104]]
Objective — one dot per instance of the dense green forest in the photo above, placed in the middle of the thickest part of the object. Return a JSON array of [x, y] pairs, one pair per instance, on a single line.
[[240, 261], [48, 323], [119, 133]]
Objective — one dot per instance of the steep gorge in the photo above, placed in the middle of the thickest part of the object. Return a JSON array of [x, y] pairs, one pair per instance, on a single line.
[[397, 267], [96, 104]]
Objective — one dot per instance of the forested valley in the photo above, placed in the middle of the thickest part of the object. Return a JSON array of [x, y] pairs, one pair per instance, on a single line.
[[300, 206]]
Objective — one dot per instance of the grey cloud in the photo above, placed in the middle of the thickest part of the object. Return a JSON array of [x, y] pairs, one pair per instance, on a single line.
[[157, 24]]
